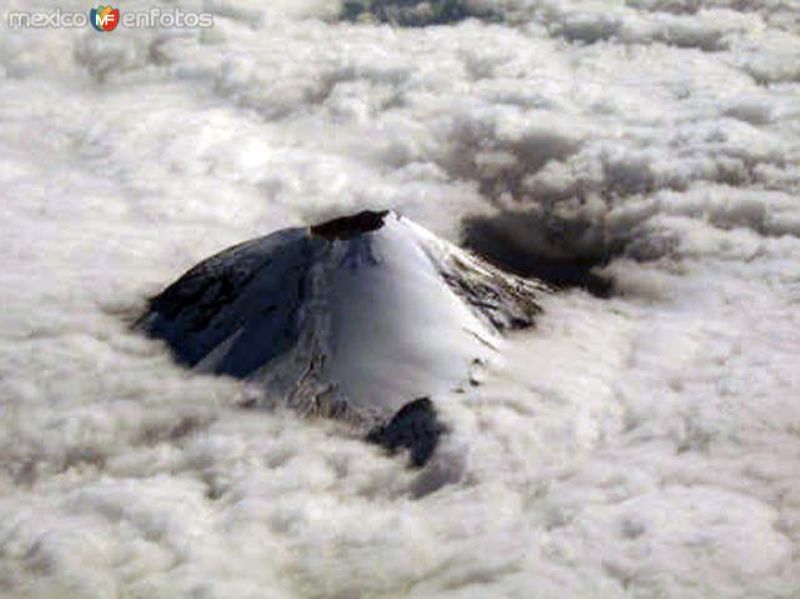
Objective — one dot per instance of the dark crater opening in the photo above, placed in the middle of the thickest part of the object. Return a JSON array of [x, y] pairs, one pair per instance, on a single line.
[[525, 247], [348, 227], [413, 13]]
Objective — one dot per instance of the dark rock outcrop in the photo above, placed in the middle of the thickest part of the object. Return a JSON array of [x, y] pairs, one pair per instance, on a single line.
[[415, 428]]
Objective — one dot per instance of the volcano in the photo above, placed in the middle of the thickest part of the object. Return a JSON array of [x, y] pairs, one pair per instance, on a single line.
[[354, 318]]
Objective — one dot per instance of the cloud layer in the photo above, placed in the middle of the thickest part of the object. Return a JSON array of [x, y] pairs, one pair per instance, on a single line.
[[646, 445]]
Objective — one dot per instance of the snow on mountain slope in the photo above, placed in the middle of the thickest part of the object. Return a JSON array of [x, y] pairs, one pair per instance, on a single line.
[[353, 318], [645, 445]]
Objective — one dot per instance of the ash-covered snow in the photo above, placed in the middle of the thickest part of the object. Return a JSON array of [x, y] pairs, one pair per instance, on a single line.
[[645, 445]]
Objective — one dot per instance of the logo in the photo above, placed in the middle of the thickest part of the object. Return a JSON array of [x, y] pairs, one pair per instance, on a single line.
[[104, 18]]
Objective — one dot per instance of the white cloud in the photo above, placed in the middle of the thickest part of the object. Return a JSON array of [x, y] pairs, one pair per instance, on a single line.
[[646, 445]]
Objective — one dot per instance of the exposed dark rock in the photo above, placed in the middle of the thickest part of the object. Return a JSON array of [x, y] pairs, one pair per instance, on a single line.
[[348, 227], [507, 305], [190, 313], [415, 428]]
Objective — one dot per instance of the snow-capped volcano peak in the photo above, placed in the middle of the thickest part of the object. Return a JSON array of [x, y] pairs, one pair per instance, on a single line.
[[353, 318]]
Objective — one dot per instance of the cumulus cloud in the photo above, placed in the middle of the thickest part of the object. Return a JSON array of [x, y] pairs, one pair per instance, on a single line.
[[644, 445]]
